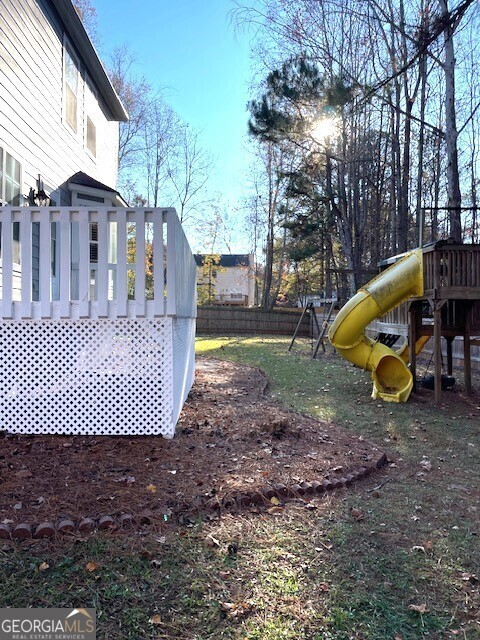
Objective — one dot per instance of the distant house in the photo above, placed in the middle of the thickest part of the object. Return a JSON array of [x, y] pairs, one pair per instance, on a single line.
[[59, 113], [226, 279]]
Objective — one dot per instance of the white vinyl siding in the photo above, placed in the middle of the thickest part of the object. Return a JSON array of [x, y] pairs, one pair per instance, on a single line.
[[33, 126]]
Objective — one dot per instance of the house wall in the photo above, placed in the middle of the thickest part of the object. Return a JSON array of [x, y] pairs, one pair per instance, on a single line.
[[228, 280], [32, 128], [232, 280]]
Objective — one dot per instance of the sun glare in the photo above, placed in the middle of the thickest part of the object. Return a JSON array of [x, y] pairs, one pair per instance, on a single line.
[[324, 129]]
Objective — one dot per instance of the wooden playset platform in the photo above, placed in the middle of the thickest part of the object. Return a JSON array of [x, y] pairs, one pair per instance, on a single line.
[[449, 307]]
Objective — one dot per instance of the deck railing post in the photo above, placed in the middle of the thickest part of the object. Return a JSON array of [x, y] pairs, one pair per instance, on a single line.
[[158, 258], [121, 291], [140, 262], [26, 262], [172, 221], [45, 259], [7, 263], [65, 265], [83, 263]]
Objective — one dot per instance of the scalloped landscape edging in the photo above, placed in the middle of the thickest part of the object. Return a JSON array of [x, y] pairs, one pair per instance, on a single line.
[[264, 495]]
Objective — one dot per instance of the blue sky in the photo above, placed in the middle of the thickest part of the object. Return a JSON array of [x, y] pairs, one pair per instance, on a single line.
[[190, 48]]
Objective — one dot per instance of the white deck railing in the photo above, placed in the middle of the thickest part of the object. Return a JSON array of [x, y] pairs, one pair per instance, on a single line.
[[97, 320], [142, 264]]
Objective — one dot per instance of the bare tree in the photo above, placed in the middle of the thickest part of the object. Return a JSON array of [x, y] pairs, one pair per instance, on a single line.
[[188, 170], [159, 131], [136, 95]]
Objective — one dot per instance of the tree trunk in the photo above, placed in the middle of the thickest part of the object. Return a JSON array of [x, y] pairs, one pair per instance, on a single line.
[[451, 133]]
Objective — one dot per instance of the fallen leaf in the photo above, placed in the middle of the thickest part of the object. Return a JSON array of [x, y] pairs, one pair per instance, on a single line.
[[44, 566], [91, 566], [469, 577], [224, 574], [156, 619], [236, 610], [274, 500], [151, 488], [24, 473], [210, 541], [128, 480], [273, 510], [419, 608], [357, 514]]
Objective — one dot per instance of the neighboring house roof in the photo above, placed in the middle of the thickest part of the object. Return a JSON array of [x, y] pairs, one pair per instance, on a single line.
[[85, 48], [226, 259]]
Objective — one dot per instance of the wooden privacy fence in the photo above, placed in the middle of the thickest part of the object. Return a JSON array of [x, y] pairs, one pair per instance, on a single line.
[[97, 320], [221, 320]]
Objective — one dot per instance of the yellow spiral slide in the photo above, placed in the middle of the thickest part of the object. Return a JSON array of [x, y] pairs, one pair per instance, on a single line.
[[392, 380]]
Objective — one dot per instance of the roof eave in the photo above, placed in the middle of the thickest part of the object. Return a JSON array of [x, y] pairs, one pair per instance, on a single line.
[[83, 44]]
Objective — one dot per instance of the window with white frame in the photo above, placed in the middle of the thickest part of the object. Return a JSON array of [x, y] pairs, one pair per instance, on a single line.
[[10, 179], [10, 192], [91, 105], [71, 88]]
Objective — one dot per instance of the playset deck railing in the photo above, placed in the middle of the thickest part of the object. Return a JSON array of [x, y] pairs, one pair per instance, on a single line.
[[452, 271], [97, 320], [449, 272]]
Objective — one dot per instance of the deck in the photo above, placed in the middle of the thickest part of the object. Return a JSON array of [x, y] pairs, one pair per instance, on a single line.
[[97, 320]]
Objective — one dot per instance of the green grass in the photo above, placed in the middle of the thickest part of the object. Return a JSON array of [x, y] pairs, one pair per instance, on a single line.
[[300, 574]]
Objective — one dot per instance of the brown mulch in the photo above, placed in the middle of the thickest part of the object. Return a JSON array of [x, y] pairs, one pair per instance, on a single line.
[[231, 437]]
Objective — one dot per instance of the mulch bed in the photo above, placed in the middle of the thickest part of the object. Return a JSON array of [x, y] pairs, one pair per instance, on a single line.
[[231, 437]]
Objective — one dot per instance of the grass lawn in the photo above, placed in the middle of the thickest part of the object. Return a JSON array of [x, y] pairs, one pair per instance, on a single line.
[[396, 558]]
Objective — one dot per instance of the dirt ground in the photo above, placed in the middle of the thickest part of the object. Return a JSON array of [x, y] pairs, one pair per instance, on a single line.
[[231, 437]]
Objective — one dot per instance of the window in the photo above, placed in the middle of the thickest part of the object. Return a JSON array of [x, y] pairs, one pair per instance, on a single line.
[[91, 109], [94, 242], [71, 89], [10, 192], [10, 182], [91, 137]]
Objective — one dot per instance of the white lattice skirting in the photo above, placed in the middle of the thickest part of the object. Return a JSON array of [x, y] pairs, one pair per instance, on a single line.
[[103, 377]]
